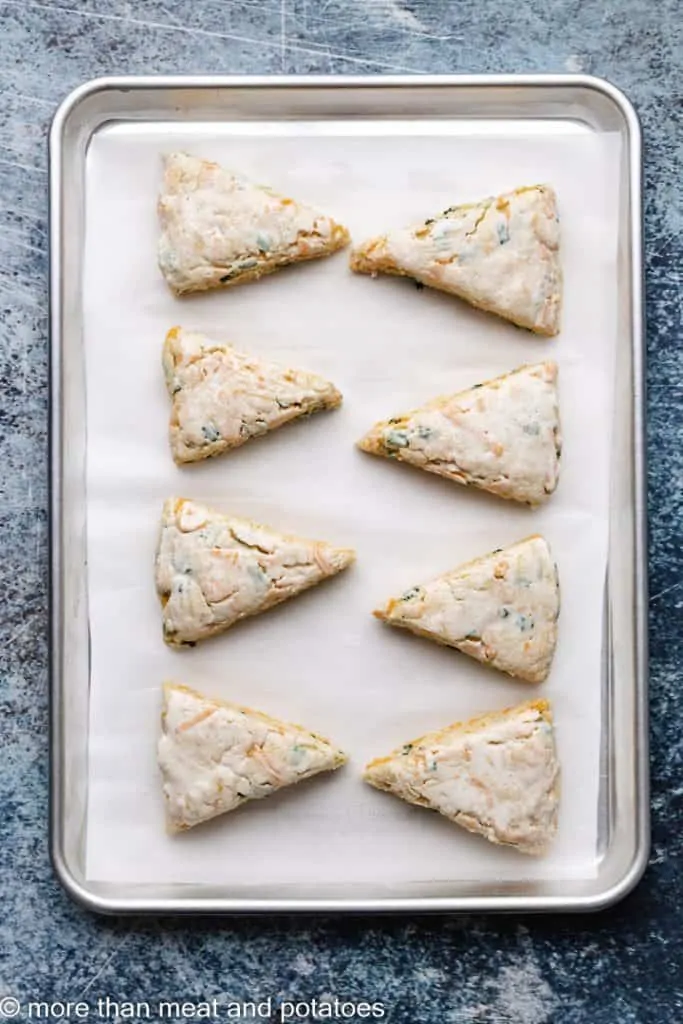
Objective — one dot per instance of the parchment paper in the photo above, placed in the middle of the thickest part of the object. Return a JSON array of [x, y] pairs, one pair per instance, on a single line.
[[321, 659]]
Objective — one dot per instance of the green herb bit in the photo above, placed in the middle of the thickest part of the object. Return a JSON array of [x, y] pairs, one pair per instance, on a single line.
[[397, 439], [210, 432]]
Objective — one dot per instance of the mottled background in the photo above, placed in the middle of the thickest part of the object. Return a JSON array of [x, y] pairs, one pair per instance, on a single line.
[[620, 966]]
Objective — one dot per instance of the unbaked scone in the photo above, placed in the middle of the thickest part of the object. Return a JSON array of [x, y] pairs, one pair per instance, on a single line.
[[219, 228], [501, 255], [214, 569], [222, 398], [501, 609], [503, 436], [496, 775], [214, 756]]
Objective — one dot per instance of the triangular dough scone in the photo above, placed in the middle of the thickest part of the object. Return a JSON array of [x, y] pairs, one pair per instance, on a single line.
[[501, 255], [214, 756], [220, 229], [502, 436], [496, 775], [213, 569], [222, 398], [501, 609]]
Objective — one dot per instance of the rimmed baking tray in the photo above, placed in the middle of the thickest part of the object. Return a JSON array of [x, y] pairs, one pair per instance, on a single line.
[[425, 107]]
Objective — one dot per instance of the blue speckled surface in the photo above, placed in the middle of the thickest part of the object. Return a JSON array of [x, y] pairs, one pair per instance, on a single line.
[[623, 965]]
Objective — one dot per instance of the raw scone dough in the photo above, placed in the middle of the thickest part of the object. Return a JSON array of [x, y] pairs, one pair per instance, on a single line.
[[502, 436], [222, 398], [214, 756], [220, 229], [501, 609], [213, 569], [501, 254], [496, 775]]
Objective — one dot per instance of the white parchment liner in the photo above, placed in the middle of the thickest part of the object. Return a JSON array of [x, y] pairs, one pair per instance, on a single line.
[[322, 660]]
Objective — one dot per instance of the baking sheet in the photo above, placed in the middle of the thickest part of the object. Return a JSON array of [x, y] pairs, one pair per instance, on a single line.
[[322, 659]]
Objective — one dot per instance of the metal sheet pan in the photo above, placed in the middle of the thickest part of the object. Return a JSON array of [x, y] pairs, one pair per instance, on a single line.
[[622, 850]]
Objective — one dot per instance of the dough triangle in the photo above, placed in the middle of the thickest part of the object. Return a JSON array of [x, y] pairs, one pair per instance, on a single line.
[[213, 569], [222, 398], [496, 775], [501, 254], [503, 436], [214, 756], [220, 229], [501, 609]]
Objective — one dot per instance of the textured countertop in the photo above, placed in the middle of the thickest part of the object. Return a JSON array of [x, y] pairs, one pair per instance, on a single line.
[[622, 965]]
